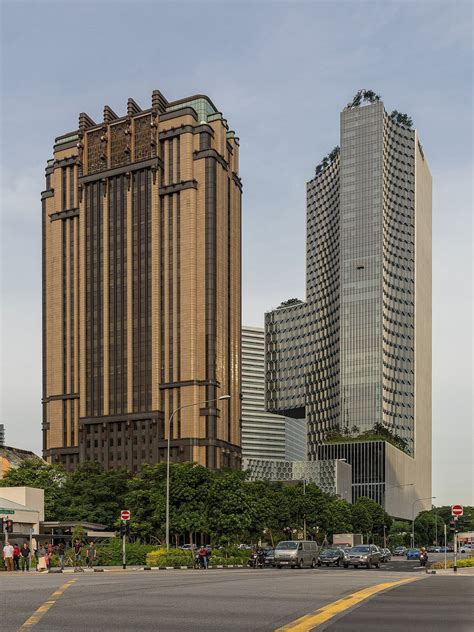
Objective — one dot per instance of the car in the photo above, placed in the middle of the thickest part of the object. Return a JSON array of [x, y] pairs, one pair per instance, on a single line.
[[331, 556], [363, 555], [466, 548], [413, 554], [296, 553], [400, 550], [187, 547], [443, 549]]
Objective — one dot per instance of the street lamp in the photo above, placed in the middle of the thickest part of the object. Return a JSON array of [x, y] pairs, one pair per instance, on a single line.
[[417, 500], [168, 459]]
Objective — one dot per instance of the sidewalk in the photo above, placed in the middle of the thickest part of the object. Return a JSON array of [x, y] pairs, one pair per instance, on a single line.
[[465, 572]]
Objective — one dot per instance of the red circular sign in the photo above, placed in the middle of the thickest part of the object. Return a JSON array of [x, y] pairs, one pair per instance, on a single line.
[[125, 514], [457, 510]]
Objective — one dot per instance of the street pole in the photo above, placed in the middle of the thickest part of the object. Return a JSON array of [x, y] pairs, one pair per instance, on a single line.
[[384, 538], [304, 517], [445, 546], [124, 558], [168, 449], [455, 567]]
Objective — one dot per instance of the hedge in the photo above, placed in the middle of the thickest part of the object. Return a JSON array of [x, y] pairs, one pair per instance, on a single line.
[[465, 563]]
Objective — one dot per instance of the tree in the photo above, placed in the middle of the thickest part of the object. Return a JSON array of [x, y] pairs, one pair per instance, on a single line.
[[377, 515], [95, 494], [189, 495], [146, 500], [341, 516], [399, 533], [51, 478], [228, 511], [361, 519]]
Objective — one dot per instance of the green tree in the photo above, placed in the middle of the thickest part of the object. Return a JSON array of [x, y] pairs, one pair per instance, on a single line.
[[52, 478], [377, 514], [361, 519], [189, 492], [146, 500], [95, 494], [229, 507], [399, 533], [341, 516]]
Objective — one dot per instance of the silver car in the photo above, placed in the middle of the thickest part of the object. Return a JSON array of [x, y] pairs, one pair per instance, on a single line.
[[366, 555], [294, 553]]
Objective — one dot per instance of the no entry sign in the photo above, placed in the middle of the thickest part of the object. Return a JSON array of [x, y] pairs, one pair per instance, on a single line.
[[457, 510], [125, 514]]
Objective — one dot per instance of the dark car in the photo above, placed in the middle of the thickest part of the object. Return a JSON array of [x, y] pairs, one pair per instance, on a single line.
[[331, 556], [400, 550], [363, 555]]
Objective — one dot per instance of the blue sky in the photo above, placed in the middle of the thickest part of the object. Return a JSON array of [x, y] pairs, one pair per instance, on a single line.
[[280, 72]]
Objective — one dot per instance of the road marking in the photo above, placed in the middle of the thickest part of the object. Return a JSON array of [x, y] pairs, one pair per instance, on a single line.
[[43, 609], [311, 621]]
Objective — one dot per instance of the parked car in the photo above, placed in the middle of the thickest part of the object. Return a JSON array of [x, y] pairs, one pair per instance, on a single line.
[[186, 547], [296, 553], [400, 550], [466, 548], [443, 549], [363, 555], [413, 554], [331, 556]]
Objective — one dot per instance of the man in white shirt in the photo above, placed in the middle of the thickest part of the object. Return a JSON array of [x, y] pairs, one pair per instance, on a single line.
[[8, 556]]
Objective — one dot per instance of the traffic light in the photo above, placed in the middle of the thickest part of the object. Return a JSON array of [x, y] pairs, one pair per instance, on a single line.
[[9, 526], [125, 529], [453, 525], [1, 525]]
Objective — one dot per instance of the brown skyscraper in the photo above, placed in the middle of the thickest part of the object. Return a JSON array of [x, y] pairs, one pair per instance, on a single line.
[[142, 288]]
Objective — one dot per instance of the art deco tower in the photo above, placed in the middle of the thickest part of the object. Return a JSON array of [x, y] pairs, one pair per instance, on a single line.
[[355, 357], [142, 288]]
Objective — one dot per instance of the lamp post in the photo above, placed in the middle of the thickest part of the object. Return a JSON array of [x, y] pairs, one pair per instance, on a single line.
[[209, 401], [417, 500]]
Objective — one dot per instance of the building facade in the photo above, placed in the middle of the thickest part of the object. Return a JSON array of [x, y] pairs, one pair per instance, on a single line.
[[142, 288], [332, 476], [355, 357], [296, 439], [2, 434], [263, 434]]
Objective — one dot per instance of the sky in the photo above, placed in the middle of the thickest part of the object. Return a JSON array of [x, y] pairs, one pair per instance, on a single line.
[[281, 72]]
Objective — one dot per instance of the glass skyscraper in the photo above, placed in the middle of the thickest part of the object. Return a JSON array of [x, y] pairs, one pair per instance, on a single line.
[[354, 359]]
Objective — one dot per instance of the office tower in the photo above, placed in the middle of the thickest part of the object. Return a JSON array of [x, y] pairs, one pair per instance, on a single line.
[[263, 434], [2, 434], [355, 357], [142, 288]]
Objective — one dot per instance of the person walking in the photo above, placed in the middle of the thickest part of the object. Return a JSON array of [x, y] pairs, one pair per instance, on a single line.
[[91, 554], [25, 554], [16, 557], [8, 556], [61, 554]]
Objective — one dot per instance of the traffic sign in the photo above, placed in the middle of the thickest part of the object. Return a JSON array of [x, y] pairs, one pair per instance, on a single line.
[[457, 510], [7, 511], [125, 514]]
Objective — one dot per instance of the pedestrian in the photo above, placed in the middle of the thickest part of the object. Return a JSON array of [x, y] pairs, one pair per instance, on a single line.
[[91, 554], [41, 556], [49, 555], [16, 557], [77, 548], [8, 556], [25, 557], [203, 557], [61, 554]]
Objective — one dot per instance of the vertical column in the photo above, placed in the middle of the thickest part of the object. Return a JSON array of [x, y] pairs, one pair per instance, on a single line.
[[129, 295], [105, 294], [155, 293]]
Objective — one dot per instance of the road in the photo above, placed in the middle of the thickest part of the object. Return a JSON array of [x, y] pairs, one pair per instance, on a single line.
[[239, 600]]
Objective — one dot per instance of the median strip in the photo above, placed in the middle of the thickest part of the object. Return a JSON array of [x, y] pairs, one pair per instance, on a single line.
[[43, 609], [311, 621]]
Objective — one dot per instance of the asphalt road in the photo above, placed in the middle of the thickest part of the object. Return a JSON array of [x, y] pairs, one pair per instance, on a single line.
[[244, 600], [436, 604]]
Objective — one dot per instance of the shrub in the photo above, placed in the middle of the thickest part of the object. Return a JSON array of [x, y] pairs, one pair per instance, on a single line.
[[465, 563], [173, 557]]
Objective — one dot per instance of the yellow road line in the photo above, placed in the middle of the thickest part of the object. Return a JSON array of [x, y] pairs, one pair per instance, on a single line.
[[43, 609], [311, 621]]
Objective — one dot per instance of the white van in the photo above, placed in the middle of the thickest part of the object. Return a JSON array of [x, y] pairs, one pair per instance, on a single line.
[[296, 553]]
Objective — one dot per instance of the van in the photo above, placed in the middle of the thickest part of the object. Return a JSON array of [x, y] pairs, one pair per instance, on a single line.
[[296, 553]]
